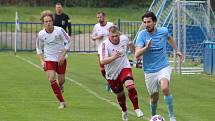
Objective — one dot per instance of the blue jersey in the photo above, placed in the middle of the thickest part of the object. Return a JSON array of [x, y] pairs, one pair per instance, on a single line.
[[156, 57]]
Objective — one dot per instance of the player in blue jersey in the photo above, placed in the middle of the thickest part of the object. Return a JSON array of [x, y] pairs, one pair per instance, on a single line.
[[151, 45]]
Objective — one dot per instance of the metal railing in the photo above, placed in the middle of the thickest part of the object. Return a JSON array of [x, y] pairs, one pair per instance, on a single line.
[[81, 35]]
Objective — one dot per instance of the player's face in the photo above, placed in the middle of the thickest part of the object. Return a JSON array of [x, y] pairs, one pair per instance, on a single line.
[[114, 38], [149, 24], [48, 22], [100, 18], [58, 8]]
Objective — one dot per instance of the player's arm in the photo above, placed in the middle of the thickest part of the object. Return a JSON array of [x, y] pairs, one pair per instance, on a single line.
[[67, 42], [95, 35], [39, 49], [131, 47], [174, 46], [104, 55], [69, 26], [108, 60], [141, 50]]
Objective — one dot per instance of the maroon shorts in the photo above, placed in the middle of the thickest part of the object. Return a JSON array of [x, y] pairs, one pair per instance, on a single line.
[[117, 85], [51, 65]]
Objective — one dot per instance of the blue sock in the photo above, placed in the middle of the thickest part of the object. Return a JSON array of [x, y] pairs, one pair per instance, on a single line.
[[153, 108], [168, 100]]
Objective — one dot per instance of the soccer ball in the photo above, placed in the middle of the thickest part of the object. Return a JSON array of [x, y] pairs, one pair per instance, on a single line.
[[157, 118]]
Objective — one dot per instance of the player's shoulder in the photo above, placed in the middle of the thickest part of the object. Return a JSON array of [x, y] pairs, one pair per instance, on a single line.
[[64, 14], [97, 25], [41, 32], [110, 23], [106, 42], [143, 32], [123, 37], [58, 29], [162, 29]]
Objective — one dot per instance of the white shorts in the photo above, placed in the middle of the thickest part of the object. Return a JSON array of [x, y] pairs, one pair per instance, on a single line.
[[153, 79]]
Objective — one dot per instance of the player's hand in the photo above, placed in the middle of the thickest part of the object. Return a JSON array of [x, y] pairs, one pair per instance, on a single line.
[[43, 64], [148, 45], [180, 55], [100, 36], [61, 60], [117, 54]]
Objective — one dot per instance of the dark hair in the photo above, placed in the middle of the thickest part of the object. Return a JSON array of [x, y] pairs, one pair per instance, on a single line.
[[103, 14], [46, 13], [150, 14]]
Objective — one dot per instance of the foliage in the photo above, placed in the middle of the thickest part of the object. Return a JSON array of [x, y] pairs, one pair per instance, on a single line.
[[81, 3]]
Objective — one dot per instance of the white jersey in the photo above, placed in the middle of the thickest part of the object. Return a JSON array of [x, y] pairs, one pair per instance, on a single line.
[[52, 44], [107, 49], [99, 30]]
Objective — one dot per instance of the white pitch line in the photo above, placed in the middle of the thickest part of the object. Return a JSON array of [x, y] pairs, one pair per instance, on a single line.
[[82, 86]]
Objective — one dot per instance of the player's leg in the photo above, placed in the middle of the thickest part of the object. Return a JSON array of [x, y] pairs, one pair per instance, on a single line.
[[61, 70], [133, 96], [122, 102], [61, 80], [167, 97], [119, 91], [152, 85], [126, 78], [51, 73], [164, 82], [153, 103]]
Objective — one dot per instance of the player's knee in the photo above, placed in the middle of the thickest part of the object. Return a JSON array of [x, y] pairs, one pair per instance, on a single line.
[[50, 78], [129, 84], [166, 91], [118, 90], [130, 87], [120, 93], [62, 79], [154, 98], [154, 101]]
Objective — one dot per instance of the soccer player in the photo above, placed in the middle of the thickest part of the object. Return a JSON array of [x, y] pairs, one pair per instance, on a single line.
[[118, 70], [151, 43], [99, 34], [62, 19], [52, 45]]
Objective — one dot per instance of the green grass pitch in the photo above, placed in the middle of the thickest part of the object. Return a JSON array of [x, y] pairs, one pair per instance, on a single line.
[[25, 93]]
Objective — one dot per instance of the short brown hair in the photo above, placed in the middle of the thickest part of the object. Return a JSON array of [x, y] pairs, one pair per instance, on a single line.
[[46, 13], [103, 14]]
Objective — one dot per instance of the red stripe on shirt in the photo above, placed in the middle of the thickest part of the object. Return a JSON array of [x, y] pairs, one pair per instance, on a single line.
[[103, 50], [65, 35]]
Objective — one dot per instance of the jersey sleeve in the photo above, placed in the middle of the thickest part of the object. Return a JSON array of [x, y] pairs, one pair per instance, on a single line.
[[94, 33], [39, 45], [103, 51], [66, 39], [140, 41], [127, 40], [167, 31]]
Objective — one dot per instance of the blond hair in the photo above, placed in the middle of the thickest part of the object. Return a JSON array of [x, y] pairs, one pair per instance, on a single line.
[[46, 13], [114, 29]]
